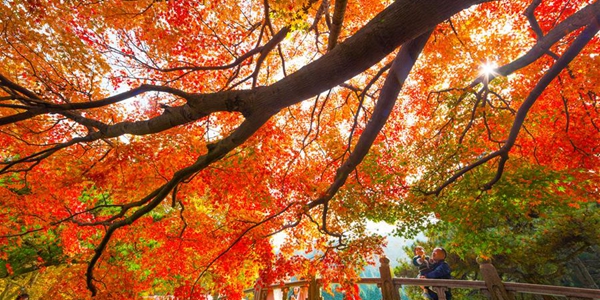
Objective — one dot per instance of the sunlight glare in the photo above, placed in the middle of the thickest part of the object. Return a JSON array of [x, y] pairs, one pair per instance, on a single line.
[[489, 68]]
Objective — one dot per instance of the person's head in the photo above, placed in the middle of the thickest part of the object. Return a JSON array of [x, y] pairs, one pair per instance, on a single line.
[[438, 254], [419, 250], [296, 289], [23, 297]]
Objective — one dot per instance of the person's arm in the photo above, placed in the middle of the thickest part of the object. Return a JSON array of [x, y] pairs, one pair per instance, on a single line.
[[415, 261], [440, 271]]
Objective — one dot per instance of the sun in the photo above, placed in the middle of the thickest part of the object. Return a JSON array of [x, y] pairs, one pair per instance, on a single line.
[[488, 69]]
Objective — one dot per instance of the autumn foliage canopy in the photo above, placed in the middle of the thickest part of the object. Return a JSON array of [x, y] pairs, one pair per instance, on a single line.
[[157, 147]]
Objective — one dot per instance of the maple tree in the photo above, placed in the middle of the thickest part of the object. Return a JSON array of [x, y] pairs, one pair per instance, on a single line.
[[157, 146]]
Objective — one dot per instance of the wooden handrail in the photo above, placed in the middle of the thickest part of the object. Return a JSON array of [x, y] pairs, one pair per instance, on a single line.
[[515, 287], [450, 283], [540, 289], [284, 285]]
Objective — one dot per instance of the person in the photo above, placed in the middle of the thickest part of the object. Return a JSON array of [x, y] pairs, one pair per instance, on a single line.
[[420, 260], [296, 293], [23, 296], [439, 269]]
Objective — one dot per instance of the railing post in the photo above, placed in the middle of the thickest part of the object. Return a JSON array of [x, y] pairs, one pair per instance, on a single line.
[[388, 290], [492, 281], [284, 292], [440, 291], [314, 290], [260, 294]]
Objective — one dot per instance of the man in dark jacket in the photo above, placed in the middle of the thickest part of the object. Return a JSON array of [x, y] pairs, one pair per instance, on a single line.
[[438, 270]]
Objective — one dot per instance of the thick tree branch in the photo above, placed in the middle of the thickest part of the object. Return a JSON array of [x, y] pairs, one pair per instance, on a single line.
[[5, 82], [43, 107], [530, 14], [277, 38], [336, 23], [399, 71]]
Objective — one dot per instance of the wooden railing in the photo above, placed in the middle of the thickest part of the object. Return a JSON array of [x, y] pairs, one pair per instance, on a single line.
[[491, 286]]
